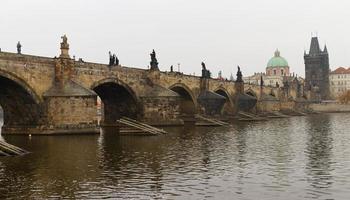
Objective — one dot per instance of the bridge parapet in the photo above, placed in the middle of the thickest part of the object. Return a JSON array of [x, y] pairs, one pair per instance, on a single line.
[[53, 93]]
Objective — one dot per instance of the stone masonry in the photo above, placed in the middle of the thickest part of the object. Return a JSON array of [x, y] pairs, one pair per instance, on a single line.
[[58, 95]]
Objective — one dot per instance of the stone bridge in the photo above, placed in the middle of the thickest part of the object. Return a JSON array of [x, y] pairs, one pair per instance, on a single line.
[[58, 95]]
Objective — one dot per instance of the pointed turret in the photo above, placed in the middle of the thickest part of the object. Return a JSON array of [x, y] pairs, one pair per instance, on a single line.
[[325, 49], [314, 47]]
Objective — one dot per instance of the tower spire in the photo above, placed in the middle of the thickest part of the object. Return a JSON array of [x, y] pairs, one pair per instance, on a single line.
[[277, 53], [325, 49], [314, 46]]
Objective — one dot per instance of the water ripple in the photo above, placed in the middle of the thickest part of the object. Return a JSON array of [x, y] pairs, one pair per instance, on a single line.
[[295, 158]]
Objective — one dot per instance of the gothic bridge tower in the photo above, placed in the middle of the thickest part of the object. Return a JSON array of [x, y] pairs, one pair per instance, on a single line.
[[317, 70]]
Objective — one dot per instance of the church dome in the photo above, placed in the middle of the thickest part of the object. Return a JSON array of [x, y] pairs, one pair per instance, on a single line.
[[277, 61]]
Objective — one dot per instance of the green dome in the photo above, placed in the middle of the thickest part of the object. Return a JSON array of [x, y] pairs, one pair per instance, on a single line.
[[277, 61]]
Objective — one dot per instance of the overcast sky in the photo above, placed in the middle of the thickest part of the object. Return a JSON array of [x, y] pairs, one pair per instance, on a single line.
[[223, 33]]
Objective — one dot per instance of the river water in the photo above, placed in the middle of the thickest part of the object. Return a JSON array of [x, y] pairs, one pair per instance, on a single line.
[[295, 158]]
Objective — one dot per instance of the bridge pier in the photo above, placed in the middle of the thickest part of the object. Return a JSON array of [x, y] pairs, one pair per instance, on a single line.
[[58, 95]]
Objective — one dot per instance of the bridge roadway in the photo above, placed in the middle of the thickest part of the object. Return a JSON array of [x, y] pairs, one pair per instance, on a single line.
[[58, 95]]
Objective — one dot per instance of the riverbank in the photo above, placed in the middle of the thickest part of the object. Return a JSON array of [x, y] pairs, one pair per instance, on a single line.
[[330, 107]]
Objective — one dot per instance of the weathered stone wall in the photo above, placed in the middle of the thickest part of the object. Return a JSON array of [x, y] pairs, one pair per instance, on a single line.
[[268, 106], [330, 107], [161, 110], [287, 105], [68, 111], [32, 72]]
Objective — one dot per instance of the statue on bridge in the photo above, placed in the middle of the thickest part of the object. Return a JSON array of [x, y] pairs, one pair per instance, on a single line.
[[154, 62], [239, 75], [116, 60], [205, 72], [64, 47], [110, 59], [19, 47], [64, 43], [113, 59]]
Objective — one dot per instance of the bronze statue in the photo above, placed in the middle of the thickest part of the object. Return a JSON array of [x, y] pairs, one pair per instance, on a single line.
[[153, 56], [203, 66], [205, 73]]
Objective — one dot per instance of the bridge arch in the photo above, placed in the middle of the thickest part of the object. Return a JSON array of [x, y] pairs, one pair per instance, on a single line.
[[228, 107], [272, 93], [22, 83], [188, 104], [20, 104], [251, 92], [117, 100]]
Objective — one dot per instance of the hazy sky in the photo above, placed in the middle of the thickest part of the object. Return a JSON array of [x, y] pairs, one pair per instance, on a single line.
[[223, 33]]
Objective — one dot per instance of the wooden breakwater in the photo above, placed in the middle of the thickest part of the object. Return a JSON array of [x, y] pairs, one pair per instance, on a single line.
[[7, 149], [138, 128], [206, 121]]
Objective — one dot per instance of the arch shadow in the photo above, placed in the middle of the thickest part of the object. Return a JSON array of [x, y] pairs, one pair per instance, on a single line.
[[188, 104], [251, 92], [22, 83], [228, 107], [21, 105], [118, 100]]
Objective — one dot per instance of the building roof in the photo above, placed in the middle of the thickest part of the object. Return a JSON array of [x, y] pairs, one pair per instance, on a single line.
[[207, 95], [69, 89], [341, 70], [315, 47], [277, 61]]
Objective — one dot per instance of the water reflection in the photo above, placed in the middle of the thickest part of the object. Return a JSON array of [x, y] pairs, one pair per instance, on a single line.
[[55, 167], [294, 158], [319, 152], [1, 119]]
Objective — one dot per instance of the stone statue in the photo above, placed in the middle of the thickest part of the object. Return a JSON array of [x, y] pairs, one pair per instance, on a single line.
[[203, 66], [154, 62], [64, 39], [204, 70], [64, 47], [116, 61], [205, 73], [110, 59], [239, 75], [113, 59], [19, 47]]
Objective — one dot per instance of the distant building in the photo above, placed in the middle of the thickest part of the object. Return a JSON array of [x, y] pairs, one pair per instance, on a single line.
[[277, 66], [231, 77], [317, 70], [276, 70], [339, 81]]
